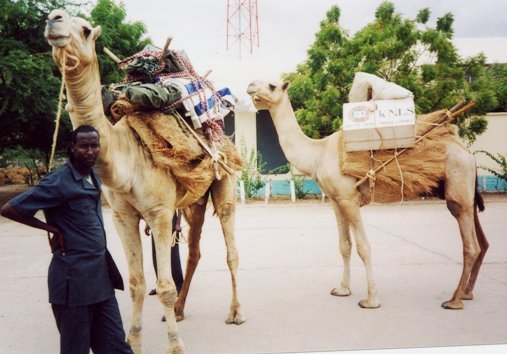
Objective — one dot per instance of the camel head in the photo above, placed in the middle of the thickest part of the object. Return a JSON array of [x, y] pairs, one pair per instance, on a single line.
[[267, 94], [72, 35]]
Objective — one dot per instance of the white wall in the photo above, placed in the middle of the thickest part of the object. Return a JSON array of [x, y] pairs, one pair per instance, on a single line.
[[494, 141], [245, 128]]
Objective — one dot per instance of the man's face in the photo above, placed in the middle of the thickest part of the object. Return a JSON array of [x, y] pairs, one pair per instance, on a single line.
[[86, 149]]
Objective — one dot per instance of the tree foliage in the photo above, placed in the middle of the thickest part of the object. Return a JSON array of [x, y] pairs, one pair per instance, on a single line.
[[405, 51], [28, 85], [251, 174], [497, 75], [29, 79], [122, 38]]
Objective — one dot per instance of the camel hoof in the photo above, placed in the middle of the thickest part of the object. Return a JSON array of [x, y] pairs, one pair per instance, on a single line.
[[468, 296], [341, 292], [453, 305], [176, 347], [365, 304], [137, 350], [134, 340], [235, 317], [179, 317]]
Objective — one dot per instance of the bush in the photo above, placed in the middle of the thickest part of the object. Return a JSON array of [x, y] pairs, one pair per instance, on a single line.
[[501, 161], [251, 172]]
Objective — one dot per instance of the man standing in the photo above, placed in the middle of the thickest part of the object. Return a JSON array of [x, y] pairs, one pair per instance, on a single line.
[[82, 275]]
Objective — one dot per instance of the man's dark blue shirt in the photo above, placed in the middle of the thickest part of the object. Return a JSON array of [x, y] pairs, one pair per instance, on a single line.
[[72, 204]]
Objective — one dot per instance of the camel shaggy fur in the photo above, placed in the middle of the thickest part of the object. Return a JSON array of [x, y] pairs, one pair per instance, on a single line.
[[319, 159], [134, 187]]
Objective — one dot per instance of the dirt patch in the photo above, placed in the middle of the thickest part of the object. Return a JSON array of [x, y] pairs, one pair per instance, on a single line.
[[494, 196], [10, 191], [14, 175]]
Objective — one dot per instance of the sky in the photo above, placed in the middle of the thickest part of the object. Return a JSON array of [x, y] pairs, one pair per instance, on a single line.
[[287, 29]]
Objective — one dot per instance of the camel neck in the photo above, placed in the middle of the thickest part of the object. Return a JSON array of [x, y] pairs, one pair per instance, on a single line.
[[84, 95], [83, 90], [301, 151]]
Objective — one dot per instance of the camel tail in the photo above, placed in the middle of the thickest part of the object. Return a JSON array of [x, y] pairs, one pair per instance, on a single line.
[[478, 228], [478, 197], [479, 202]]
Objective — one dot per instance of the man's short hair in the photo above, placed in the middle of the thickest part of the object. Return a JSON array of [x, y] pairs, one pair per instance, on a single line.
[[85, 128]]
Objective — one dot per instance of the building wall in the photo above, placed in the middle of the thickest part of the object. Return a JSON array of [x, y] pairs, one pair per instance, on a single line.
[[246, 130], [493, 141]]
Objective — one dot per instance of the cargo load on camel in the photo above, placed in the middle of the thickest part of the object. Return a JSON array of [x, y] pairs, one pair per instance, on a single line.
[[177, 115], [394, 154]]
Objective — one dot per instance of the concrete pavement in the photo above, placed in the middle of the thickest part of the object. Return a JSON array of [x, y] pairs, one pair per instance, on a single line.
[[289, 262]]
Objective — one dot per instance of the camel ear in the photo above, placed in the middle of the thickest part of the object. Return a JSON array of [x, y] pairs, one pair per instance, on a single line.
[[285, 85], [96, 32]]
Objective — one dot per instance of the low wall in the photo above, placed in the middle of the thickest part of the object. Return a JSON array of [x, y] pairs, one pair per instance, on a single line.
[[486, 184]]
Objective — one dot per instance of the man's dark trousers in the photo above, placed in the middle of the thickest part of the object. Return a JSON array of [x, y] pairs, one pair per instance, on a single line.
[[98, 326]]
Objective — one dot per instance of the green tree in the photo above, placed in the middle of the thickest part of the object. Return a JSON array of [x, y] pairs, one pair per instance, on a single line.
[[122, 38], [497, 75], [29, 79], [392, 48], [28, 82]]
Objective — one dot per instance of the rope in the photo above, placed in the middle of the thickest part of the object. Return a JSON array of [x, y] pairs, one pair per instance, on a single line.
[[448, 115], [214, 155], [58, 114], [401, 175]]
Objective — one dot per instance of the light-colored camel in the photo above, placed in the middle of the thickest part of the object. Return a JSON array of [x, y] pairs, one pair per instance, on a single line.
[[134, 188], [319, 160]]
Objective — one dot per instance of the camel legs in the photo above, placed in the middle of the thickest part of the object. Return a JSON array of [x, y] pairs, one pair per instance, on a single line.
[[194, 214], [351, 213], [483, 245], [223, 195], [345, 251], [460, 195], [464, 213], [160, 221], [126, 221]]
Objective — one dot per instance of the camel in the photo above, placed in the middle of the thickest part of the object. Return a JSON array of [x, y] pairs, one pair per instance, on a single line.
[[318, 159], [134, 187]]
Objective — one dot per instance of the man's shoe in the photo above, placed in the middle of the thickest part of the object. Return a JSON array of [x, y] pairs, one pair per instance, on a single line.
[[163, 318], [153, 292]]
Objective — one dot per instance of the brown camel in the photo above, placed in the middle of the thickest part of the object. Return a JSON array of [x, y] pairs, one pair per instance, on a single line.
[[134, 187], [319, 160]]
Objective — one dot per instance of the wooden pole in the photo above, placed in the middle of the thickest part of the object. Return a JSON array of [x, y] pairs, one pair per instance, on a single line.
[[112, 56], [166, 48]]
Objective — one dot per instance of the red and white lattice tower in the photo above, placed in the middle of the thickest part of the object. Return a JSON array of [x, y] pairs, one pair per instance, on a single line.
[[242, 25]]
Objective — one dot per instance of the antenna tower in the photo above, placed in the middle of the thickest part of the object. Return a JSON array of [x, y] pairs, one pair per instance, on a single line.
[[242, 25]]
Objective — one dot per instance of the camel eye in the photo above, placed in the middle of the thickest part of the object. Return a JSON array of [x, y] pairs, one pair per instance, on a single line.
[[272, 87], [86, 31]]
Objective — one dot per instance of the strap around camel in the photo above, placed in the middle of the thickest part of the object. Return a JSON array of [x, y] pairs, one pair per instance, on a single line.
[[403, 174]]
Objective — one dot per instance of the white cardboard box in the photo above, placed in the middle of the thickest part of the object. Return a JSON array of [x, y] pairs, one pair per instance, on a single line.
[[377, 125]]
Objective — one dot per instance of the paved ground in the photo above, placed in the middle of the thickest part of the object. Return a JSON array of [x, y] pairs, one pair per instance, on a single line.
[[289, 263]]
